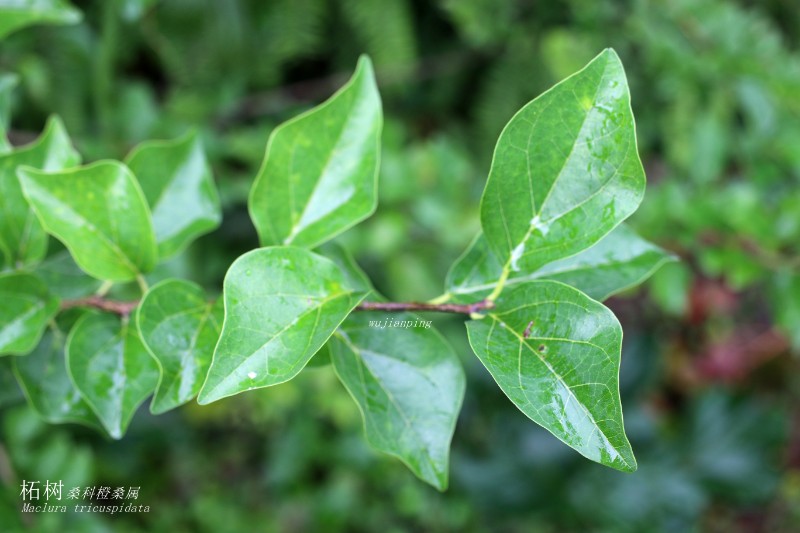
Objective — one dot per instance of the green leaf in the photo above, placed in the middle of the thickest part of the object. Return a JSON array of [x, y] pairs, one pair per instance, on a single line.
[[100, 214], [26, 308], [319, 175], [556, 353], [64, 278], [44, 379], [565, 171], [355, 277], [10, 392], [110, 366], [176, 179], [7, 84], [281, 305], [408, 384], [17, 14], [23, 241], [180, 328], [619, 261], [407, 381]]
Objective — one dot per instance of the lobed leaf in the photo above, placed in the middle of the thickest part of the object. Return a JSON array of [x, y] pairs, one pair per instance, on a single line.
[[23, 240], [176, 180], [620, 260], [408, 384], [565, 170], [110, 366], [17, 14], [26, 308], [180, 328], [319, 175], [100, 214], [281, 305], [44, 379], [556, 354]]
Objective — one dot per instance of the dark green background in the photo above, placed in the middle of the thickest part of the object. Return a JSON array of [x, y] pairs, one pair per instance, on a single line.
[[710, 379]]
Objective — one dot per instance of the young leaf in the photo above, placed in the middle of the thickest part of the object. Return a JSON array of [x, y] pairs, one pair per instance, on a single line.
[[44, 379], [111, 368], [22, 238], [26, 308], [620, 260], [18, 14], [319, 175], [180, 328], [281, 305], [176, 179], [100, 214], [556, 353], [408, 384], [565, 171], [7, 84]]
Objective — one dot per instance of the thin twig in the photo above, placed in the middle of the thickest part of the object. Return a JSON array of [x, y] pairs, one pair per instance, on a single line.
[[124, 308], [98, 302]]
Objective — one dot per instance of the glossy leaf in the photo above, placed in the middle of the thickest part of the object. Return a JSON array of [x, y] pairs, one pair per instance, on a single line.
[[100, 214], [44, 379], [7, 84], [620, 260], [319, 175], [565, 171], [180, 328], [17, 14], [176, 180], [110, 366], [281, 305], [408, 384], [26, 308], [64, 278], [556, 354], [23, 241]]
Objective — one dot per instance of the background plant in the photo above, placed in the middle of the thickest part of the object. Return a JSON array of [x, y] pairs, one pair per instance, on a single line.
[[706, 381]]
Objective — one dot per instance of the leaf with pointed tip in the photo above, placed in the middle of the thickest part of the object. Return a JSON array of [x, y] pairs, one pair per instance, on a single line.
[[17, 14], [176, 179], [180, 328], [619, 261], [408, 384], [44, 379], [26, 308], [319, 175], [100, 214], [64, 278], [110, 366], [556, 354], [7, 84], [23, 241], [281, 305], [565, 170]]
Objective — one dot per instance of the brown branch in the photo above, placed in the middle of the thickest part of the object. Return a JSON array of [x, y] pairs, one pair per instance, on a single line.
[[465, 309], [125, 308], [98, 302]]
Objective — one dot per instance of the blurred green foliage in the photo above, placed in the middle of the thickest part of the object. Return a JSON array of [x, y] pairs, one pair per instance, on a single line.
[[709, 380]]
